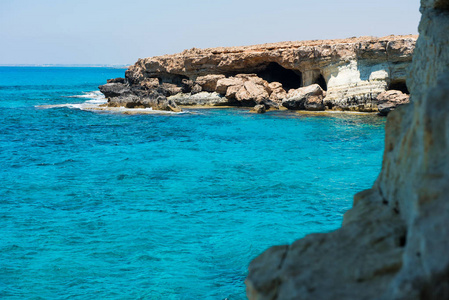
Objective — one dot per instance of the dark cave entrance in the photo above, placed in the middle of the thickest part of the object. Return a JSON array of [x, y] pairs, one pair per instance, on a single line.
[[274, 72], [399, 85], [321, 82]]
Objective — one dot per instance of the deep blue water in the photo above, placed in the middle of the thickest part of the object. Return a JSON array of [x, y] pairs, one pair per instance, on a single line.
[[110, 206]]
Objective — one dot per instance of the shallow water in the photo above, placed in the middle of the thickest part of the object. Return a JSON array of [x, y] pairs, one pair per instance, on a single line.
[[112, 206]]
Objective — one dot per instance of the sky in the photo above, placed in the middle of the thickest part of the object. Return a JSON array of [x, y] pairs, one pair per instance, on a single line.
[[120, 32]]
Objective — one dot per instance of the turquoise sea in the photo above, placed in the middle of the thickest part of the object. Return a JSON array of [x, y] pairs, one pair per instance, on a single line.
[[111, 206]]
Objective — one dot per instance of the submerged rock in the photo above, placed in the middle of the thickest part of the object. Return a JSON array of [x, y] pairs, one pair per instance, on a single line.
[[259, 109]]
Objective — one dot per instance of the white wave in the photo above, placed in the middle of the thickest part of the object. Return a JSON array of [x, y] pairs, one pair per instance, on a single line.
[[89, 95], [95, 101]]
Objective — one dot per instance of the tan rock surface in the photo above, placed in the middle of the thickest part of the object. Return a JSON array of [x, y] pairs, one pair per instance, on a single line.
[[394, 242], [208, 83], [309, 98], [390, 100], [354, 71]]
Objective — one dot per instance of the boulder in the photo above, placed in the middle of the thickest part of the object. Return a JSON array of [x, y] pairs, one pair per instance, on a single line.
[[314, 103], [208, 83], [248, 89], [257, 92], [114, 89], [259, 109], [277, 92], [224, 83], [232, 91], [309, 97], [390, 100]]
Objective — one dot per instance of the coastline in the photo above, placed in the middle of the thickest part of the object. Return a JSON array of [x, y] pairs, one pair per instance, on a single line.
[[357, 74]]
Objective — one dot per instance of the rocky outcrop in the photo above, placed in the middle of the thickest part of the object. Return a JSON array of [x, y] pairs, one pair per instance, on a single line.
[[390, 100], [148, 94], [353, 72], [394, 242]]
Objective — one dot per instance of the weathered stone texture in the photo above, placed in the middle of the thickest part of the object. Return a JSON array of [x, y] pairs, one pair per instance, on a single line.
[[353, 71], [394, 242]]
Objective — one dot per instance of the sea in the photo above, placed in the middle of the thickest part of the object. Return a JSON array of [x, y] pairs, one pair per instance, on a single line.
[[106, 205]]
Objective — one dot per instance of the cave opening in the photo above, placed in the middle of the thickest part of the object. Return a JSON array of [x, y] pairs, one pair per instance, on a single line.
[[399, 85], [172, 78], [274, 72], [321, 82]]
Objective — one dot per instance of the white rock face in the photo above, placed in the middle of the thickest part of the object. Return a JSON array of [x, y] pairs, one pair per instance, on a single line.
[[394, 242], [355, 85]]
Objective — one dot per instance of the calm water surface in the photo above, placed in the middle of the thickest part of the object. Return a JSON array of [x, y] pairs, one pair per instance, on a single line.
[[110, 206]]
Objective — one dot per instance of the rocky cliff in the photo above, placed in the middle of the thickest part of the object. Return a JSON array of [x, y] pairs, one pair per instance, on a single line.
[[394, 242], [350, 72]]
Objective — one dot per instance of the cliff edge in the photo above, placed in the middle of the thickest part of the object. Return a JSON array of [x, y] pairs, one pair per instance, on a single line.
[[394, 242]]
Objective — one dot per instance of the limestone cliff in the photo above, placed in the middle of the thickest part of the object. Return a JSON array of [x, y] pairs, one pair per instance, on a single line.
[[351, 71], [394, 242]]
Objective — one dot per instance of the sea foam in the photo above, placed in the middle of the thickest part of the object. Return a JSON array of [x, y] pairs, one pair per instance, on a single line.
[[95, 101]]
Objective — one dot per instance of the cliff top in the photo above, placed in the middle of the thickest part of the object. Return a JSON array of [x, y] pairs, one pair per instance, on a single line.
[[292, 44]]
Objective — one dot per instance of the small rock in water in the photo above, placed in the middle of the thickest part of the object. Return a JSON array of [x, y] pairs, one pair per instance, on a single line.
[[259, 109]]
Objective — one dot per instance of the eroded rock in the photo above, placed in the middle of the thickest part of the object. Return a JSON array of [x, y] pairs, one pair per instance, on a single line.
[[390, 100], [201, 98], [310, 98], [208, 83], [277, 92], [353, 71], [141, 96]]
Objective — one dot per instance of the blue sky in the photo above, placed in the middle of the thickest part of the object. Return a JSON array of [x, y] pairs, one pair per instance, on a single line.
[[119, 32]]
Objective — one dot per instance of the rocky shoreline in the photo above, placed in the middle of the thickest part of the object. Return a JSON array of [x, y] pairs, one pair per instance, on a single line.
[[356, 74]]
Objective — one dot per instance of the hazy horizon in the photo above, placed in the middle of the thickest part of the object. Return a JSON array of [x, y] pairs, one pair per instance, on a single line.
[[105, 32]]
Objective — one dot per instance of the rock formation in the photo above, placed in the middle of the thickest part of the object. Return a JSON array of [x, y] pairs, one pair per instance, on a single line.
[[390, 100], [394, 242], [351, 71], [310, 98]]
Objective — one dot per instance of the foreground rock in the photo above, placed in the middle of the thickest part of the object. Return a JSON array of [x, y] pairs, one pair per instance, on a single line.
[[390, 100], [353, 72], [394, 242]]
